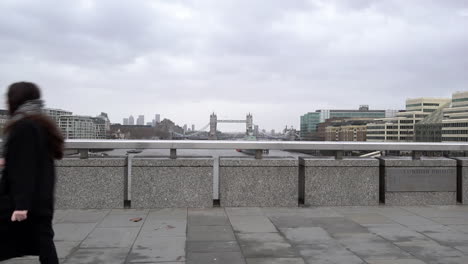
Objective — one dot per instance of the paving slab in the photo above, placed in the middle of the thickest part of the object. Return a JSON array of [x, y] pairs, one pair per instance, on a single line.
[[165, 228], [122, 220], [72, 232], [210, 233], [65, 248], [167, 213], [164, 249], [260, 245], [206, 211], [84, 216], [129, 211], [275, 261], [412, 220], [395, 261], [252, 224], [370, 219], [328, 252], [306, 235], [398, 234], [215, 257], [98, 256], [244, 211], [212, 246], [207, 220], [304, 212], [451, 220], [370, 246], [111, 238], [429, 250]]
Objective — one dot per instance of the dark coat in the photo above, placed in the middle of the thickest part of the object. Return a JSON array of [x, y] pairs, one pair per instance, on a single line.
[[27, 183]]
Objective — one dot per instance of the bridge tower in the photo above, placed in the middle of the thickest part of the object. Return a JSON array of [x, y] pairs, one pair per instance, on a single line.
[[249, 125], [213, 126]]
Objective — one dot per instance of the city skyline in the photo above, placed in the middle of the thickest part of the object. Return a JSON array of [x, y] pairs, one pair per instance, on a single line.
[[275, 59]]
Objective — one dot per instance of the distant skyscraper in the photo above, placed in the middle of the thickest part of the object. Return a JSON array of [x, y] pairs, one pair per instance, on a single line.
[[141, 120], [193, 127], [157, 118], [185, 127], [131, 121], [125, 121]]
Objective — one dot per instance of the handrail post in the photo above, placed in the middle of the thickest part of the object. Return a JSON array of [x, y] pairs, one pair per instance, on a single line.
[[84, 153], [173, 154], [339, 154], [258, 153]]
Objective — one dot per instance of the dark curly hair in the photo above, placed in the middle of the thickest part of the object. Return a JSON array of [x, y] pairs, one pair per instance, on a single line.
[[21, 92]]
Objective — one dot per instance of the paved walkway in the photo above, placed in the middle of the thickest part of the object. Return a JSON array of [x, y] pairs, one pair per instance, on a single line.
[[345, 235]]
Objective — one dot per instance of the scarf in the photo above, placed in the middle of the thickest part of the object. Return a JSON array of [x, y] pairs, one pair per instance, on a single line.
[[32, 107]]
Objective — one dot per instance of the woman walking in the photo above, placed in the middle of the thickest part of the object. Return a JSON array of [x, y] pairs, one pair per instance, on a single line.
[[31, 143]]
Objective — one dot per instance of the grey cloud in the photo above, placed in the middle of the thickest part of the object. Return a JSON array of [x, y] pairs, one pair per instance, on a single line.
[[134, 56]]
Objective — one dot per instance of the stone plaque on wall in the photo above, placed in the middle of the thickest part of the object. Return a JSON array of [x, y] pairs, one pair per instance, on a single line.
[[421, 179]]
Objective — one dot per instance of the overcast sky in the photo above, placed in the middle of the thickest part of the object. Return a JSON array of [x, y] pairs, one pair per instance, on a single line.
[[274, 58]]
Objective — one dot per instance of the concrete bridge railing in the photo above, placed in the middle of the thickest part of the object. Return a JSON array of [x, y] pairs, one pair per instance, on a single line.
[[178, 181]]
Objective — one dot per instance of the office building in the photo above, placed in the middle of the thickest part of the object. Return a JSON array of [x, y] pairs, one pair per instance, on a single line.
[[125, 121], [141, 120], [82, 127], [391, 113], [157, 118], [131, 121], [362, 112], [455, 119], [401, 127], [55, 114], [346, 129], [430, 128], [193, 127], [311, 120], [309, 123]]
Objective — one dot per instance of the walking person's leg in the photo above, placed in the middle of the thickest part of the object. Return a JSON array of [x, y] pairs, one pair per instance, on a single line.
[[47, 250]]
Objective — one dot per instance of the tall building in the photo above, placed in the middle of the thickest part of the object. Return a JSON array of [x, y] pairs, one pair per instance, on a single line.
[[55, 114], [193, 127], [141, 120], [401, 127], [185, 128], [131, 121], [310, 121], [455, 119], [157, 118], [125, 121]]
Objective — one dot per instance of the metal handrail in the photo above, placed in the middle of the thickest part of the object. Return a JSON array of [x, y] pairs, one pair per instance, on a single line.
[[259, 145]]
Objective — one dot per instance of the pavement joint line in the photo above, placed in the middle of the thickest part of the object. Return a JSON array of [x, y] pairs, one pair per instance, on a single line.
[[434, 207], [236, 237], [81, 242], [136, 237]]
